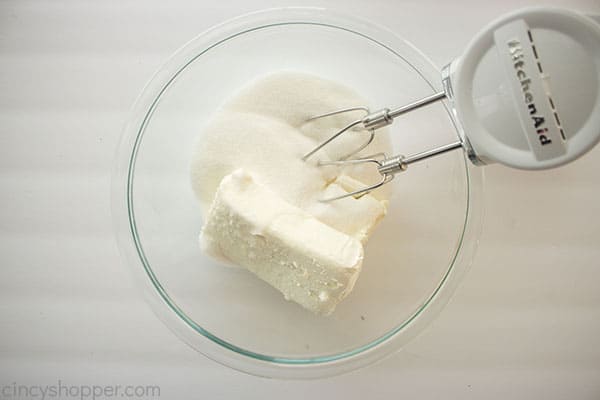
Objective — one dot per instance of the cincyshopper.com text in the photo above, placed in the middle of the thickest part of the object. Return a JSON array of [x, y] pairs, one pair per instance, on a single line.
[[61, 390]]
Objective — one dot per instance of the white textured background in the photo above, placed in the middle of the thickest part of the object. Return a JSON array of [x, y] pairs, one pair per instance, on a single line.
[[525, 324]]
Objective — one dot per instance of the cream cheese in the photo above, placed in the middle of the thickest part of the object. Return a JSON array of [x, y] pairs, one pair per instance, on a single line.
[[308, 261]]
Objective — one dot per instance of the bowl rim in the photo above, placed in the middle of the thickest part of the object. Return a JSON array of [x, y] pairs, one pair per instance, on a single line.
[[167, 310]]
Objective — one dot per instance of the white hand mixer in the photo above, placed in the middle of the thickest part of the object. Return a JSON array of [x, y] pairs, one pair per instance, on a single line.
[[525, 93]]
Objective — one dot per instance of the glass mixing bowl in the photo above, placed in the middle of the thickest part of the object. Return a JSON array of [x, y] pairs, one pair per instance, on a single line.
[[414, 260]]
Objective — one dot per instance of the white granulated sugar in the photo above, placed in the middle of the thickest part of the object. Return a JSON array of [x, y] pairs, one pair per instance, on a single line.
[[263, 129]]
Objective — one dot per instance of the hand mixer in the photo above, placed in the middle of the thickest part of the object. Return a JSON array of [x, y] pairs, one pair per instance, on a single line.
[[525, 93]]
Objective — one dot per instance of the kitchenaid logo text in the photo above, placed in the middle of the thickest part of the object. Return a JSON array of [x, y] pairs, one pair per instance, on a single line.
[[539, 122]]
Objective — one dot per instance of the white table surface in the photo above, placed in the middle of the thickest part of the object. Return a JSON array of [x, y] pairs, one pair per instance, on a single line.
[[525, 323]]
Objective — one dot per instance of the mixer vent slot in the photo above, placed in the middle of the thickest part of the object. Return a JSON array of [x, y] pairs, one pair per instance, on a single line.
[[539, 65]]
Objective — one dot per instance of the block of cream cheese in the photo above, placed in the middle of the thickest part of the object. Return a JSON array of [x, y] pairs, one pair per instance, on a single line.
[[308, 261]]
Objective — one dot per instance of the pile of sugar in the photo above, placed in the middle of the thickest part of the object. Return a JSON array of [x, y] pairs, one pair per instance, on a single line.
[[264, 129]]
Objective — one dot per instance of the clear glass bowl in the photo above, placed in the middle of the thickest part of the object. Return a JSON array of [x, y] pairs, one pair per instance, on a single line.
[[413, 262]]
